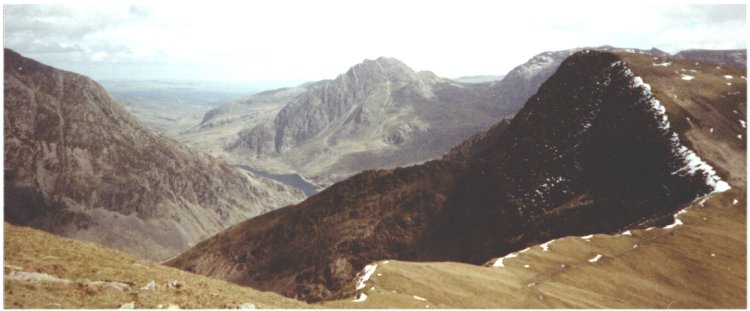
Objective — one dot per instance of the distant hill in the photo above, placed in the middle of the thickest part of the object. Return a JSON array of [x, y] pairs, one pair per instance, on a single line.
[[208, 93], [734, 58]]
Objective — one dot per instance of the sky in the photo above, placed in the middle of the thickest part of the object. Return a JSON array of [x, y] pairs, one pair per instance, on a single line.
[[297, 41]]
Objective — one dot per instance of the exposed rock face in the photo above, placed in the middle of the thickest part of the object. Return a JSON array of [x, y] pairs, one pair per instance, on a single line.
[[350, 100], [592, 152], [734, 58], [78, 164], [244, 126], [379, 114]]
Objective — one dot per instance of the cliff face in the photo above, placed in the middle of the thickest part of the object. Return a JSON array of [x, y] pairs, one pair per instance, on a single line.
[[593, 151], [78, 164], [350, 100]]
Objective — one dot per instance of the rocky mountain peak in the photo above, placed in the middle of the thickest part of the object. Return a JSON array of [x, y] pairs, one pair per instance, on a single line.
[[357, 102], [381, 70]]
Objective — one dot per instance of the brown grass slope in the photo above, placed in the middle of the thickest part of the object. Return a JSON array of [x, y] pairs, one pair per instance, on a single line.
[[79, 165], [84, 263], [585, 155], [701, 264]]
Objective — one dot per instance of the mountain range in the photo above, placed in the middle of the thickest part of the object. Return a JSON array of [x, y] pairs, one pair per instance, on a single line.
[[595, 150], [607, 146], [380, 114]]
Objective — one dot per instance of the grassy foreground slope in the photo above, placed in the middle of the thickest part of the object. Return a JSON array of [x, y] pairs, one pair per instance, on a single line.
[[701, 264], [88, 274]]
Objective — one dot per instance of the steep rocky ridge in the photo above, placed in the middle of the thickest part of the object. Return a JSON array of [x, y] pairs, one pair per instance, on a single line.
[[592, 152], [79, 165]]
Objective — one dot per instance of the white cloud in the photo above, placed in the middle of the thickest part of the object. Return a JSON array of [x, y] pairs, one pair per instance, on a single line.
[[312, 40]]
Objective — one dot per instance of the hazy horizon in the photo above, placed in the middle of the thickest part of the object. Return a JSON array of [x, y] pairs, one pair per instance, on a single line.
[[290, 42]]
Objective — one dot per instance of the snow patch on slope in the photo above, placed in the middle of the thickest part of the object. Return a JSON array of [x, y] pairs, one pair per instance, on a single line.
[[686, 77], [361, 297], [545, 246], [676, 223], [596, 258], [499, 262], [365, 275]]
